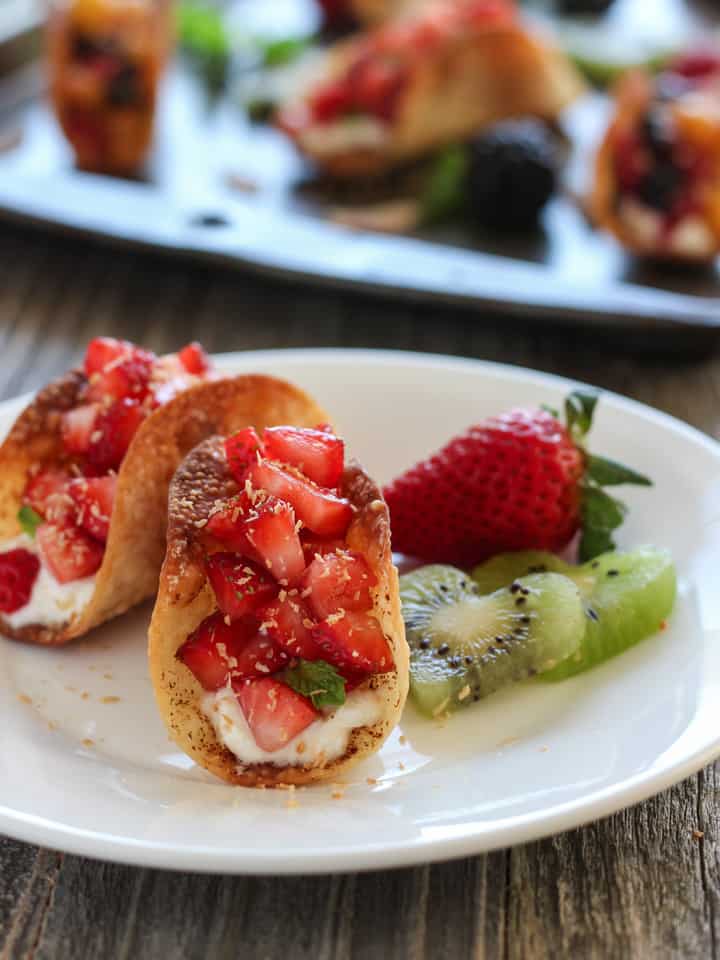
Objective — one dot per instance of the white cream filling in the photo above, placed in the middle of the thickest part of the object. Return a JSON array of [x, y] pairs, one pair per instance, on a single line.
[[51, 603], [692, 238], [325, 739], [643, 223], [354, 133]]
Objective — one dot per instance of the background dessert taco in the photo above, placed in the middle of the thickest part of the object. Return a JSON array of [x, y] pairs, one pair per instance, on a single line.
[[84, 477], [656, 183], [431, 78]]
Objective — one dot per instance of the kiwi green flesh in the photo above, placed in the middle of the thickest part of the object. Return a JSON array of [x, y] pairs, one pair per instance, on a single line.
[[501, 570], [464, 646], [627, 597]]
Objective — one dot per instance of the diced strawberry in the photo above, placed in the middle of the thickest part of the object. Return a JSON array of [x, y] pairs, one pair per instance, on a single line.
[[44, 487], [631, 159], [272, 536], [77, 427], [330, 102], [697, 64], [241, 450], [126, 376], [68, 551], [240, 586], [94, 498], [354, 643], [113, 433], [103, 350], [376, 83], [335, 12], [60, 509], [321, 511], [217, 650], [208, 649], [257, 658], [313, 546], [226, 525], [194, 359], [18, 573], [275, 713], [318, 454], [87, 134], [338, 581], [288, 624]]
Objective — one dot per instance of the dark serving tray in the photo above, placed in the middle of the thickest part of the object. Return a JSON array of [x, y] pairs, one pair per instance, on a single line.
[[187, 205]]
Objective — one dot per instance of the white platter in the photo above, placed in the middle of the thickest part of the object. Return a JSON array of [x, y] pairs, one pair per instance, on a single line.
[[100, 778]]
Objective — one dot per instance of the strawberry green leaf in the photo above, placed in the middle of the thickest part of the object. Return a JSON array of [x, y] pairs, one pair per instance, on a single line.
[[593, 543], [599, 509], [29, 520], [317, 680], [553, 411], [579, 409], [608, 473], [601, 514]]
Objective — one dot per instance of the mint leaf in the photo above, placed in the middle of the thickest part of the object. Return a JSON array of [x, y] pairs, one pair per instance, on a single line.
[[317, 680], [444, 192], [29, 520], [277, 53], [609, 473], [579, 409], [202, 30], [206, 40]]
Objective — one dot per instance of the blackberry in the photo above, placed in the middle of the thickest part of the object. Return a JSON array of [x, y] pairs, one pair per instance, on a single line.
[[660, 187], [124, 89], [85, 47], [513, 173], [657, 131]]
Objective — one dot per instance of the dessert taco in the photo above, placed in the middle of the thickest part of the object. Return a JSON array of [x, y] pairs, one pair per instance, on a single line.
[[277, 646], [84, 475]]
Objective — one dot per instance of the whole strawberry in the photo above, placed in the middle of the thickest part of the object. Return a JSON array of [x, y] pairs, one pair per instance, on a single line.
[[518, 481]]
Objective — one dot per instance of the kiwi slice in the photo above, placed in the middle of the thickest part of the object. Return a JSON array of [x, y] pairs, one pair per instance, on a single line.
[[627, 596], [464, 646]]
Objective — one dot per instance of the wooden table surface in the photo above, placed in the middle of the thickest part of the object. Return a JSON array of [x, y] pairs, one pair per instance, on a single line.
[[642, 884]]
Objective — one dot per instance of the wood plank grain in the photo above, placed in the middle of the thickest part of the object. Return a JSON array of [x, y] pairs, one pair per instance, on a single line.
[[27, 881], [639, 884], [628, 886]]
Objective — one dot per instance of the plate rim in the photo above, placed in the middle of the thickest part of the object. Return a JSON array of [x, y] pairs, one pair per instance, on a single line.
[[504, 833]]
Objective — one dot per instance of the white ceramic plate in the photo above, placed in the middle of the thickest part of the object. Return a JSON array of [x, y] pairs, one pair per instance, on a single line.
[[86, 765]]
